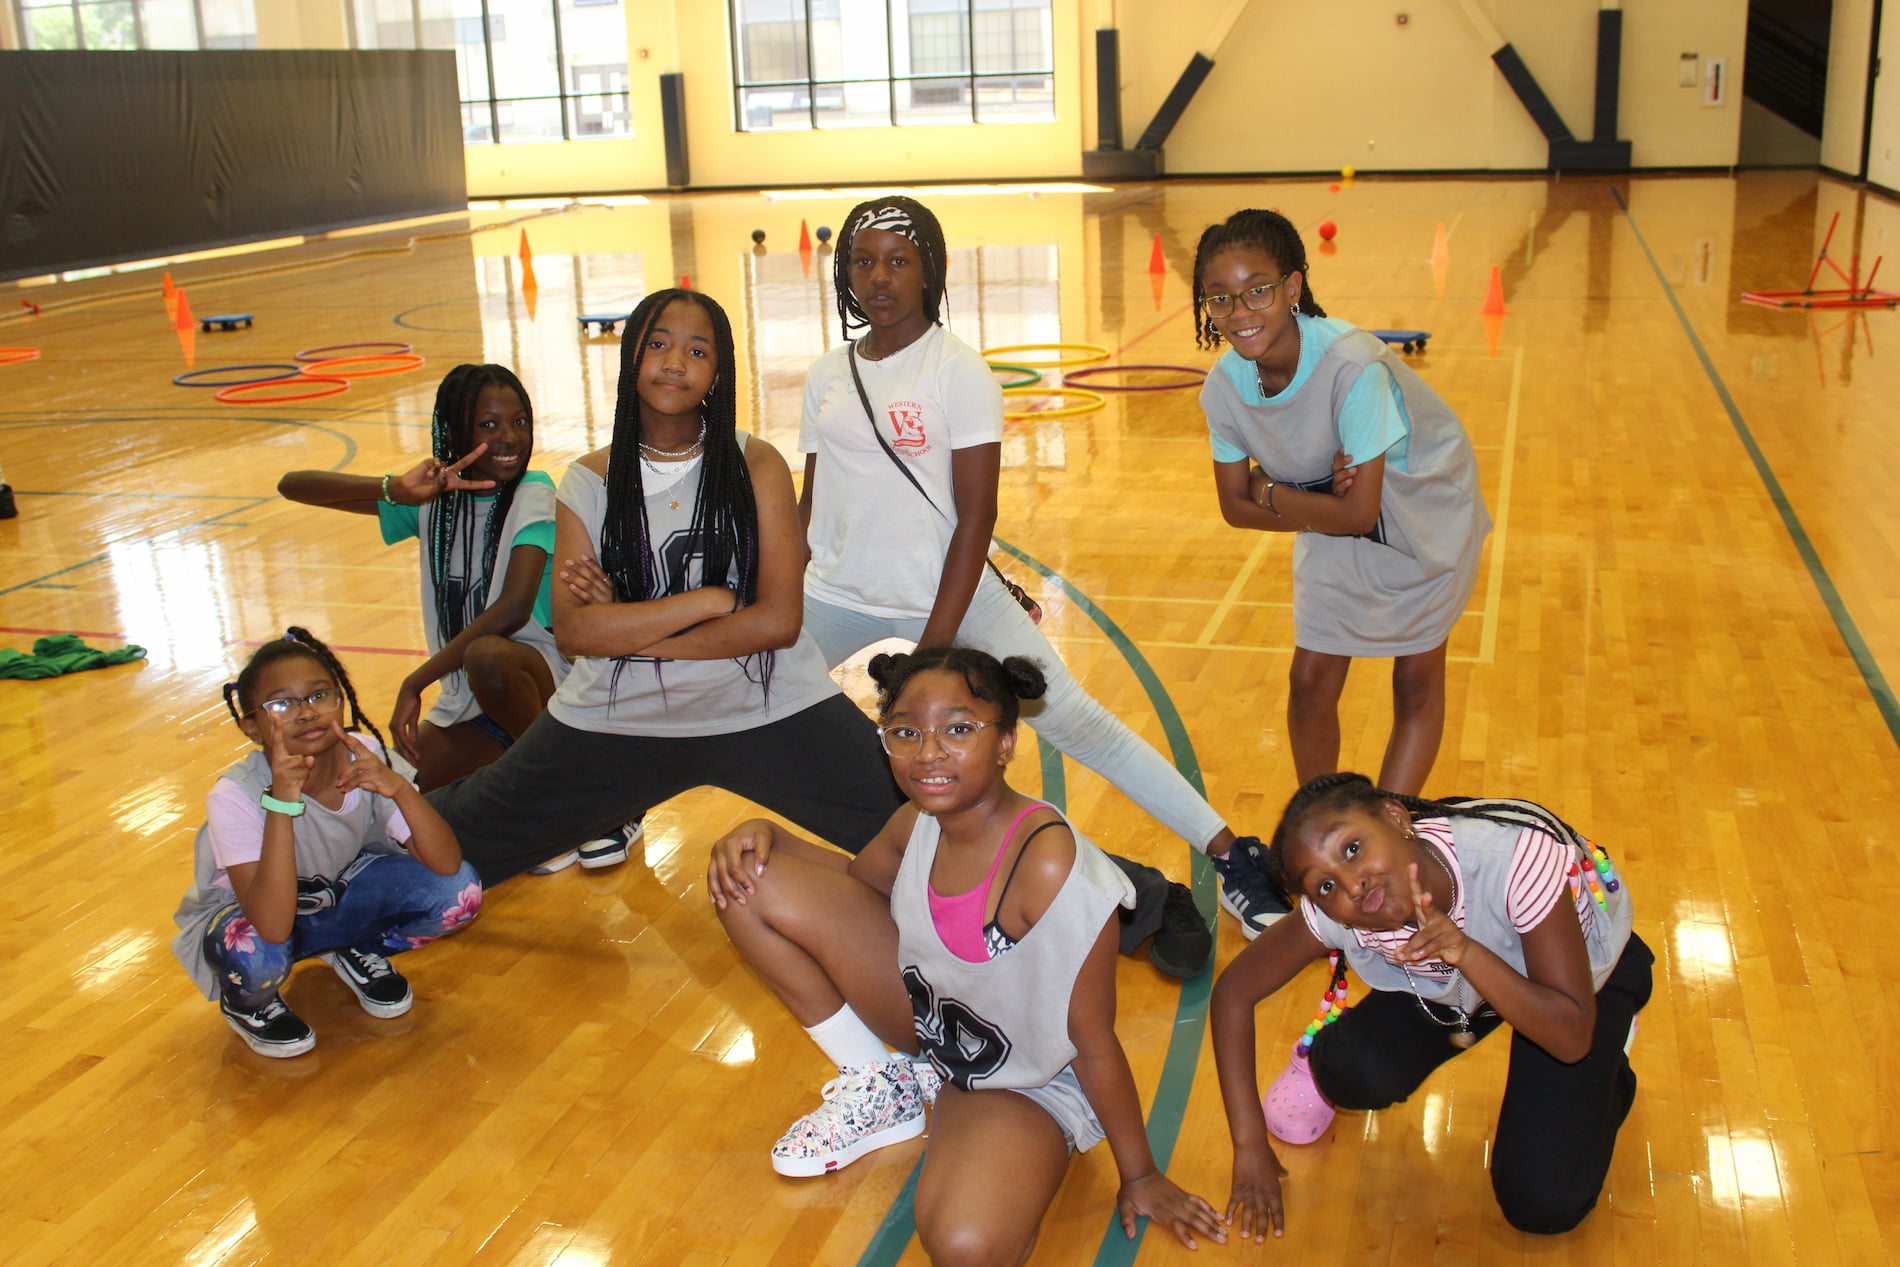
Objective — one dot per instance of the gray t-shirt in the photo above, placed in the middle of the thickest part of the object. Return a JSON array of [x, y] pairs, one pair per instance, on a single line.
[[677, 697]]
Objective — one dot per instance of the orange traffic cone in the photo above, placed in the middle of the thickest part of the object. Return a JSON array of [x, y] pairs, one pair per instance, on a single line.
[[170, 289], [181, 319], [1494, 297], [686, 283], [804, 237], [1157, 259]]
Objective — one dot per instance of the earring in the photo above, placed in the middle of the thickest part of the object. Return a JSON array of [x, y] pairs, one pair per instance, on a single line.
[[1410, 834]]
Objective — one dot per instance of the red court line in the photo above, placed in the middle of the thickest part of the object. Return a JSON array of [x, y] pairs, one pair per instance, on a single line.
[[229, 642]]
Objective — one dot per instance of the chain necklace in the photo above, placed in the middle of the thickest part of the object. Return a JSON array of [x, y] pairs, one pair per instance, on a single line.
[[648, 452], [1299, 344], [1461, 1036]]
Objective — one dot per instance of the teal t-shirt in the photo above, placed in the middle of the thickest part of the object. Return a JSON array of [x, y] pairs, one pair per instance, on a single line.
[[402, 523], [1372, 421]]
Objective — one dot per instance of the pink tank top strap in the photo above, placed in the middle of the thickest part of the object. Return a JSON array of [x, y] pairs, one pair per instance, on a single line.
[[959, 916]]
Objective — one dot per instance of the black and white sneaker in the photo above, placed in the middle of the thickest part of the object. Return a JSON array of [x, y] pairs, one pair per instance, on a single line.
[[1182, 947], [378, 987], [610, 851], [1245, 892], [271, 1030]]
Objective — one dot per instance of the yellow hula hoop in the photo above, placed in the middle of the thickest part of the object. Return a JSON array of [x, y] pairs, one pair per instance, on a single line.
[[1094, 353], [1090, 402]]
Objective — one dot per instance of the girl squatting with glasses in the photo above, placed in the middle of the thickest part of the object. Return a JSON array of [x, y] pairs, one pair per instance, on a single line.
[[312, 847], [1461, 915], [1361, 458], [902, 434]]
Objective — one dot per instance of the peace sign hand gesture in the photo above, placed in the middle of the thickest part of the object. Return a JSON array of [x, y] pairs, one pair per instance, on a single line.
[[1437, 936], [287, 771], [430, 478], [364, 769]]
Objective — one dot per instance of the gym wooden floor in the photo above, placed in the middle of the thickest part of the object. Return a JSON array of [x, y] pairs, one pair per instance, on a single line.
[[1679, 640]]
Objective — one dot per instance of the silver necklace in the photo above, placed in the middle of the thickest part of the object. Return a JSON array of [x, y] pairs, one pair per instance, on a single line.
[[1461, 1036], [672, 455], [1299, 343]]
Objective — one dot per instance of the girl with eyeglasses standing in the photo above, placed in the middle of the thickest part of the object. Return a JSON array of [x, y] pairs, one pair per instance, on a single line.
[[977, 935], [312, 848], [1319, 430]]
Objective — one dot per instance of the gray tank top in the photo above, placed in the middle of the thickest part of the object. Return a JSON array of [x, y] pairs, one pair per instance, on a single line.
[[328, 841], [1003, 1023], [1484, 859]]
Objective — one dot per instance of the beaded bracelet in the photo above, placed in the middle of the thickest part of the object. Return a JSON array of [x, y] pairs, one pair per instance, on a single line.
[[386, 496], [1331, 1004]]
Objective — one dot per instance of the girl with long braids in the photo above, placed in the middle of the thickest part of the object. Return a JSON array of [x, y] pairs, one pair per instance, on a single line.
[[1461, 915], [679, 604], [902, 434], [1318, 429], [485, 523], [312, 847]]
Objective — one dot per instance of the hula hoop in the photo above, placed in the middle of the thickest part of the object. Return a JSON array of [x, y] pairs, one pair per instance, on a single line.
[[1031, 375], [1093, 353], [340, 385], [1078, 378], [1090, 402], [327, 368], [316, 354], [193, 377], [13, 356]]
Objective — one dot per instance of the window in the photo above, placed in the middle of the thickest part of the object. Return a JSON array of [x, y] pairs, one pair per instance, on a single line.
[[530, 70], [801, 64], [105, 25]]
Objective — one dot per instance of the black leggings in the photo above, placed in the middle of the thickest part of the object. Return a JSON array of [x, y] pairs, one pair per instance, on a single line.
[[559, 787], [1557, 1127]]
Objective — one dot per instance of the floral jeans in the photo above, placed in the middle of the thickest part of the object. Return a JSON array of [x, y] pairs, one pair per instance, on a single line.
[[382, 903]]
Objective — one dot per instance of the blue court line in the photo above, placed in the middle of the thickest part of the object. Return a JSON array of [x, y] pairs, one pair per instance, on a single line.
[[1169, 1106], [1817, 571]]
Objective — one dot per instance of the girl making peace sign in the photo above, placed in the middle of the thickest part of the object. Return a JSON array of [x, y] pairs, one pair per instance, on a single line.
[[312, 847]]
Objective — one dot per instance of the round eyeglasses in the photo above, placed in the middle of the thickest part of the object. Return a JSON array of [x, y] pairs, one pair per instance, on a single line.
[[1255, 297], [908, 741], [327, 700]]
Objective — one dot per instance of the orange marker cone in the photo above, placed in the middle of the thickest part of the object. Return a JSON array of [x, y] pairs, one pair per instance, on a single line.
[[686, 283], [1494, 297], [804, 237], [1158, 259], [181, 319], [170, 289], [527, 256], [527, 267]]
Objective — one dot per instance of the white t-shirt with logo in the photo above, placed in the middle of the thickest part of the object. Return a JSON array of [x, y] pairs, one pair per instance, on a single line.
[[876, 544]]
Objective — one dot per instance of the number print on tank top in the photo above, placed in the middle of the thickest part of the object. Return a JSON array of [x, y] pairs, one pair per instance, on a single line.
[[682, 563], [965, 1048]]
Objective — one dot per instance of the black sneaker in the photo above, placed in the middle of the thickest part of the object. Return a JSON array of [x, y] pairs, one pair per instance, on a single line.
[[271, 1030], [1182, 947], [378, 987], [609, 851], [1244, 889]]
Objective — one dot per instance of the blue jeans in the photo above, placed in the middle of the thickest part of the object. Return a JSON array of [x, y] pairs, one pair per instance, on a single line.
[[382, 903]]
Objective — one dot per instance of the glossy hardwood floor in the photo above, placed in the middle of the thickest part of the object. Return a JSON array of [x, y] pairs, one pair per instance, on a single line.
[[1656, 648]]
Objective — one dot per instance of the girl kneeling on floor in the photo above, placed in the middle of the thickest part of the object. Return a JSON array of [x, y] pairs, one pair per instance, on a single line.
[[312, 847], [978, 929]]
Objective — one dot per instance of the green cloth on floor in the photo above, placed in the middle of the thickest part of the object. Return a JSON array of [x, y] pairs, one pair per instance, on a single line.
[[60, 654]]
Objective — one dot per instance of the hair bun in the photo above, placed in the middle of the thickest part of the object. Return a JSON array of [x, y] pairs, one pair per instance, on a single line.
[[1026, 680], [886, 668]]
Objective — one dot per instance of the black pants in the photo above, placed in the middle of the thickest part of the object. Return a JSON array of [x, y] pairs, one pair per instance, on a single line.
[[1557, 1126], [559, 787]]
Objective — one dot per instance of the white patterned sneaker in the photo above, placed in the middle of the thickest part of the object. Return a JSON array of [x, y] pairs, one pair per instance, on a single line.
[[929, 1081], [866, 1108]]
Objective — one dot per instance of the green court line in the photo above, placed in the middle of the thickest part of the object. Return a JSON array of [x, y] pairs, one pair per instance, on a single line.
[[1169, 1106], [1817, 571]]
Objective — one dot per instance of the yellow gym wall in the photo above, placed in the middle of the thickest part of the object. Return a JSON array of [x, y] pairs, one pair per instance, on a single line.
[[1296, 87]]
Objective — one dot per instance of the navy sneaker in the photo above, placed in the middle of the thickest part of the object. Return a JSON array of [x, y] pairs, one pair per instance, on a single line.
[[610, 851], [271, 1030], [378, 987], [1245, 891], [1182, 947]]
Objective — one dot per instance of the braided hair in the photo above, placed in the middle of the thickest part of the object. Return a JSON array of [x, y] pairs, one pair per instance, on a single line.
[[1346, 790], [1003, 683], [725, 524], [241, 696], [1272, 233], [460, 598], [924, 233]]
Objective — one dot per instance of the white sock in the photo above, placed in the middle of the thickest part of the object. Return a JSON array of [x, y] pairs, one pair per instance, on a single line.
[[847, 1040]]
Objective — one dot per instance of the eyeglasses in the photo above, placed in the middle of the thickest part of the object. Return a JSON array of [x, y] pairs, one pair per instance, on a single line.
[[1255, 297], [327, 700], [908, 741]]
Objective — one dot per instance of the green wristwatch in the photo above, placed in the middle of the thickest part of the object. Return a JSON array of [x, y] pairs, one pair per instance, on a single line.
[[289, 809]]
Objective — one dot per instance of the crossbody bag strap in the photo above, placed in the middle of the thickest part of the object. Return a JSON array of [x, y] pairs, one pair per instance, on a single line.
[[864, 398]]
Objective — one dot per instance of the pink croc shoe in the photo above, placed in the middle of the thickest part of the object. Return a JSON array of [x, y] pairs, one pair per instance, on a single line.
[[1296, 1112]]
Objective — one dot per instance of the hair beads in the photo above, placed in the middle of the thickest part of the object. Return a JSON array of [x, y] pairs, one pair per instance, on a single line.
[[1599, 875], [1332, 1004]]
